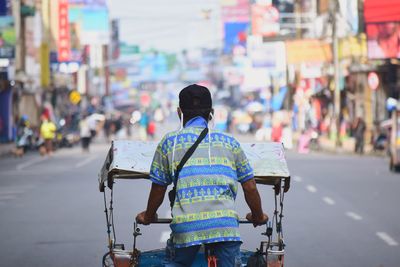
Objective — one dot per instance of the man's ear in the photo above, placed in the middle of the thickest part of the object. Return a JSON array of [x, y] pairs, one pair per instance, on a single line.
[[179, 111], [211, 114]]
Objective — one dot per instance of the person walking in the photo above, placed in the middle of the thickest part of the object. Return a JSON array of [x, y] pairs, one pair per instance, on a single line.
[[359, 128], [205, 168], [85, 133], [48, 133]]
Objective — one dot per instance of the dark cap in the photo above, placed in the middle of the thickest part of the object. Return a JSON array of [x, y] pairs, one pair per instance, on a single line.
[[195, 97]]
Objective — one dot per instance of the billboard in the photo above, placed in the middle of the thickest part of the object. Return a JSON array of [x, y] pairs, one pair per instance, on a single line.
[[235, 11], [381, 11], [265, 20], [234, 35], [308, 51], [7, 37], [353, 47], [271, 55], [4, 7], [88, 2], [64, 45], [383, 40], [93, 23], [7, 31]]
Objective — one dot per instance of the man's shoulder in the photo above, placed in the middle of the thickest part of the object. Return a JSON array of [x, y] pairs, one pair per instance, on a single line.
[[226, 137]]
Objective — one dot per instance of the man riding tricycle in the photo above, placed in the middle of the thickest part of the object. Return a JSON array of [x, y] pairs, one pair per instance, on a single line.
[[204, 167]]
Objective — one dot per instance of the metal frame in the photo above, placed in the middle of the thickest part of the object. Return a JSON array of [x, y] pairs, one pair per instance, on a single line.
[[273, 247]]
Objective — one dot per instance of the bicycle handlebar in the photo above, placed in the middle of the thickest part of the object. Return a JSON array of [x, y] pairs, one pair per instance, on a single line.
[[169, 220]]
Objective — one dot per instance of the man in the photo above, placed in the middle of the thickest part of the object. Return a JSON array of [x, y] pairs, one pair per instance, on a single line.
[[359, 128], [203, 209]]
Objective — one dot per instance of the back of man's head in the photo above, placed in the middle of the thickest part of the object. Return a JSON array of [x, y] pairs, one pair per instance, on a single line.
[[195, 100]]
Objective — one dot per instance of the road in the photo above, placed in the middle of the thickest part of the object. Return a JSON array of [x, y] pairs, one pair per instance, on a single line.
[[340, 211]]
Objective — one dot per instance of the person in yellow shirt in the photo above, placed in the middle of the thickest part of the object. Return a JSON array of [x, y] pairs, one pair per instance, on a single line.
[[48, 133]]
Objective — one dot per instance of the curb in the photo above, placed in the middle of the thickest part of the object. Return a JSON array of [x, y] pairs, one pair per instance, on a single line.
[[6, 149]]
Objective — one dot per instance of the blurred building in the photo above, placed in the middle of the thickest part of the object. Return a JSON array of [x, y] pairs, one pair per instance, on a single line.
[[318, 60], [62, 54]]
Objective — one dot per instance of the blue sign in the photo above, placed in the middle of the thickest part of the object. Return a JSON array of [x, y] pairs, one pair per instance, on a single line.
[[233, 30], [5, 116], [3, 7]]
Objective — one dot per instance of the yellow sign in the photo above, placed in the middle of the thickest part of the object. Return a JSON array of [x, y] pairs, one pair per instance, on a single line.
[[75, 97], [45, 65], [308, 51], [353, 47]]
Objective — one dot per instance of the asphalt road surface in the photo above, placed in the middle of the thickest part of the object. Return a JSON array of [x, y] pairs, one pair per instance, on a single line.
[[340, 211]]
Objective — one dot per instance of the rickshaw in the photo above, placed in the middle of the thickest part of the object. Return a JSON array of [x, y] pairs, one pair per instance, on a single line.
[[132, 159]]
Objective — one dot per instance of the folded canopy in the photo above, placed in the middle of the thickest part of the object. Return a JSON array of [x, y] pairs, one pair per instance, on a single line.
[[132, 160]]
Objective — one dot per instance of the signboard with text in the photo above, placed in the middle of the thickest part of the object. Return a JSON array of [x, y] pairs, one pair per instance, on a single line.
[[64, 45]]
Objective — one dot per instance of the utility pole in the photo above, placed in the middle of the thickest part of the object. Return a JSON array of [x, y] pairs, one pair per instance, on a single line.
[[20, 33], [333, 10]]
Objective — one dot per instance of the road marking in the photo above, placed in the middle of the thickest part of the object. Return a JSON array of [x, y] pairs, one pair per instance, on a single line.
[[311, 188], [387, 239], [329, 201], [354, 216], [22, 166], [165, 236], [297, 179], [85, 162]]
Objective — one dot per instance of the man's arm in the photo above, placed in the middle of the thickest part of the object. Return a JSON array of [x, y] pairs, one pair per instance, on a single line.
[[254, 202], [156, 198]]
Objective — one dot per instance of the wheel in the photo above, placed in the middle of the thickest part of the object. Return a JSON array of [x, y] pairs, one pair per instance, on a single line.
[[107, 260]]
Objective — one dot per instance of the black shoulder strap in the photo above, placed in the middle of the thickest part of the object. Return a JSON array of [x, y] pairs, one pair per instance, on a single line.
[[189, 153], [185, 158]]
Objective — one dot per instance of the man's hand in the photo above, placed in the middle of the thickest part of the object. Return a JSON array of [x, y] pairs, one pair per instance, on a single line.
[[257, 221], [143, 218]]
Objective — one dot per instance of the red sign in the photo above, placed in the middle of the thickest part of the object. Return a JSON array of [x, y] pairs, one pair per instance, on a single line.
[[381, 11], [383, 40], [64, 44], [373, 80]]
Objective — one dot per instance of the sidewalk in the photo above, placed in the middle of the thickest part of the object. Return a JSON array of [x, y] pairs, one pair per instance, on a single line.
[[6, 149], [347, 147]]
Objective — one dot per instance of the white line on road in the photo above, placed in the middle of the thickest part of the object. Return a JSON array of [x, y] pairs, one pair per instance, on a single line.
[[165, 236], [297, 179], [387, 239], [354, 216], [35, 160], [86, 161], [311, 188], [329, 201]]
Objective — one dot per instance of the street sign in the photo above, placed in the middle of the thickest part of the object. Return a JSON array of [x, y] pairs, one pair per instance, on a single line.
[[373, 80], [75, 97]]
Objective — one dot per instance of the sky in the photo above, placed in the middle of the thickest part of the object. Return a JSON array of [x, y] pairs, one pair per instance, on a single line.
[[170, 25]]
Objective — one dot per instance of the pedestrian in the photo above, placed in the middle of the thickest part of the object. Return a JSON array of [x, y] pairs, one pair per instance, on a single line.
[[205, 185], [276, 132], [24, 136], [143, 126], [47, 133], [359, 128], [85, 133], [151, 129]]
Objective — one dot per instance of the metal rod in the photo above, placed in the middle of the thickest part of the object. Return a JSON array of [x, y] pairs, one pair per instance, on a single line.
[[169, 220]]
